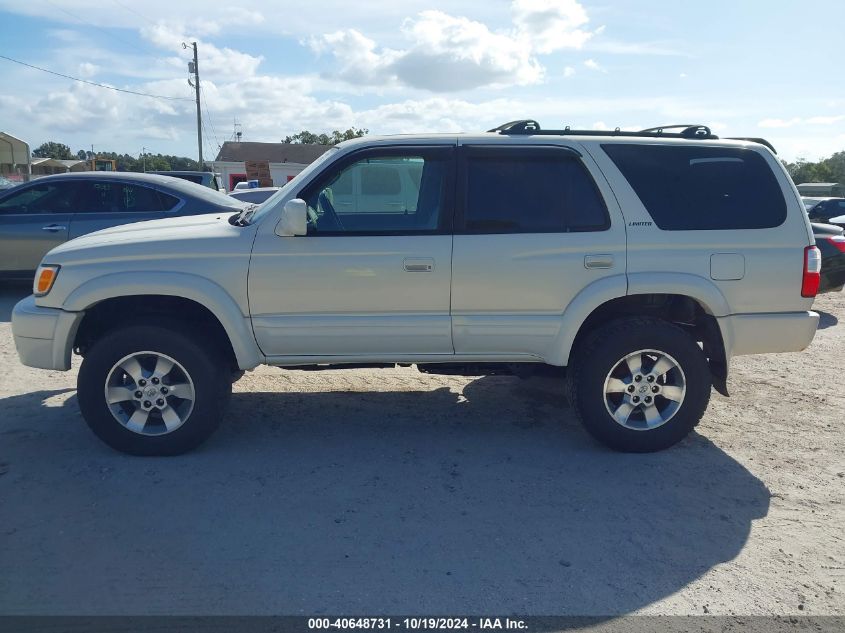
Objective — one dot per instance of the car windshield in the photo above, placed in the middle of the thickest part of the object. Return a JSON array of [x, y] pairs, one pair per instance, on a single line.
[[268, 204]]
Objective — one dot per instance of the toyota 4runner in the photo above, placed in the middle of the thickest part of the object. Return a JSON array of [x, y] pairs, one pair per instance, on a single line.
[[640, 261]]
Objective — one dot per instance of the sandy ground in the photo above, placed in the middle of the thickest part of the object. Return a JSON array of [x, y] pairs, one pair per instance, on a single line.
[[389, 491]]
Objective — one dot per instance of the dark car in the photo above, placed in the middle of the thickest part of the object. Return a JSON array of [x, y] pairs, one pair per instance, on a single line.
[[823, 209], [43, 213], [205, 178], [831, 243]]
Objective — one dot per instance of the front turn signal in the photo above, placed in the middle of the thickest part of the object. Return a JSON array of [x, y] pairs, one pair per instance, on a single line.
[[45, 277]]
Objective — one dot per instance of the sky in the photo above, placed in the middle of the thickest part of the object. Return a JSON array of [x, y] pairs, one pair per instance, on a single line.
[[768, 68]]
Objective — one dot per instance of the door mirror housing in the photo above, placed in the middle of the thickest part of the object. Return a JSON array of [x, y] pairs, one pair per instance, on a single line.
[[294, 219]]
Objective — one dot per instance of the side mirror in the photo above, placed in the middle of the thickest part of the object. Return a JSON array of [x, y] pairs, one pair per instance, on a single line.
[[294, 219]]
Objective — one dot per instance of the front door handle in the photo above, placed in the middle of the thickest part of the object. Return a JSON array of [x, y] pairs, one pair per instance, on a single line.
[[598, 261], [419, 264], [53, 228]]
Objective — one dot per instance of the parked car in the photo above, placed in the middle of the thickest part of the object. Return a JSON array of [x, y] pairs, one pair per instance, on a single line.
[[5, 183], [256, 195], [204, 178], [642, 262], [823, 209], [245, 184], [41, 214], [831, 242], [837, 221]]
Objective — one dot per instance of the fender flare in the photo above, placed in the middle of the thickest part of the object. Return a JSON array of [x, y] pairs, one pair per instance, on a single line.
[[704, 291], [202, 290], [592, 297], [582, 305]]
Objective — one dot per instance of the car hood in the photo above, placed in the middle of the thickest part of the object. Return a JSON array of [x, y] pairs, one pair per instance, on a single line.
[[170, 237]]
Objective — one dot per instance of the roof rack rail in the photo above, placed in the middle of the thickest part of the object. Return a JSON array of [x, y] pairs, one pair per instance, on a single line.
[[753, 139], [529, 127], [688, 130], [522, 126]]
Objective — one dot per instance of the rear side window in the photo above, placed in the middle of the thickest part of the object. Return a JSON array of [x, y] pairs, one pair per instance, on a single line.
[[528, 191], [687, 188]]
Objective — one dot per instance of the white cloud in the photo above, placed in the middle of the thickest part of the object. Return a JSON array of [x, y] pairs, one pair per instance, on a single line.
[[445, 54], [551, 25], [87, 70], [594, 65], [214, 62], [568, 71]]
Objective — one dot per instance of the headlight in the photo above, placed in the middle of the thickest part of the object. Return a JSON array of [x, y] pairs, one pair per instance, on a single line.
[[45, 276]]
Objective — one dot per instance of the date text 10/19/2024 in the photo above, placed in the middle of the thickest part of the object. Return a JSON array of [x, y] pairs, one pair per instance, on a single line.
[[418, 623]]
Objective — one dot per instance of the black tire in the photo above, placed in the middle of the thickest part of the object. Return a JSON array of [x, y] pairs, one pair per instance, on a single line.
[[600, 352], [209, 373]]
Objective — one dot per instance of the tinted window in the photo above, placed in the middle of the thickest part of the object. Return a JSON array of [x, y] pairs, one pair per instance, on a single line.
[[702, 188], [520, 191], [393, 193], [118, 197], [52, 197]]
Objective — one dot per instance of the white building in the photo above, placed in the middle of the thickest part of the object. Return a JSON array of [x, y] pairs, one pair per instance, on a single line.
[[286, 160]]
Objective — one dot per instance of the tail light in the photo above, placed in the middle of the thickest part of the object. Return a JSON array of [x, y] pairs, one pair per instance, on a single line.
[[812, 270], [838, 242]]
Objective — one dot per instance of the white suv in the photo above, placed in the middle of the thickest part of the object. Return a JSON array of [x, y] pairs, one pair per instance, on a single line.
[[642, 262]]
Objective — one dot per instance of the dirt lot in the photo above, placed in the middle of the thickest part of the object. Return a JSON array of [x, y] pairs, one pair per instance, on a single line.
[[379, 492]]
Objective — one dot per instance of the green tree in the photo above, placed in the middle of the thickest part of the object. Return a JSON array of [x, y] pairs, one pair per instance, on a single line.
[[51, 149], [310, 138], [831, 169]]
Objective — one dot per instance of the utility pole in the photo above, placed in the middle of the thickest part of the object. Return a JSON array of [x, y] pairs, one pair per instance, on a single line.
[[144, 157], [194, 67]]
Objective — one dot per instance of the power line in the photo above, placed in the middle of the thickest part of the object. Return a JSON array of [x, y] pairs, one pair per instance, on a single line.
[[143, 17], [94, 26], [208, 118], [93, 83]]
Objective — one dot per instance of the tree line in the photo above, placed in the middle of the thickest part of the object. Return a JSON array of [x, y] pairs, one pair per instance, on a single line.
[[125, 162], [166, 162], [831, 169]]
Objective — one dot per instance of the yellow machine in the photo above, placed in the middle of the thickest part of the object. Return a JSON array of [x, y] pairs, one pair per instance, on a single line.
[[103, 164]]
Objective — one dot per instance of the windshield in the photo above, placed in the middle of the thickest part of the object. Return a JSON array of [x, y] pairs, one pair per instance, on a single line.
[[268, 204]]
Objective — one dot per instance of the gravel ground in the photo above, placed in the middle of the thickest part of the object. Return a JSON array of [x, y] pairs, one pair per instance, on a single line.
[[389, 491]]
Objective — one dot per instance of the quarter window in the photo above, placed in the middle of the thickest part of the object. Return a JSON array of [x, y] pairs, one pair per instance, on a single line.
[[690, 188], [530, 191], [118, 197]]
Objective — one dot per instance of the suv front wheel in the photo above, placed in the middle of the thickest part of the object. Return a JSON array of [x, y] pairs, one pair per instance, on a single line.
[[639, 384], [152, 390]]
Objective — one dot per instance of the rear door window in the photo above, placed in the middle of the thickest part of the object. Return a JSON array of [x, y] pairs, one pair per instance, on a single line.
[[529, 190], [690, 188]]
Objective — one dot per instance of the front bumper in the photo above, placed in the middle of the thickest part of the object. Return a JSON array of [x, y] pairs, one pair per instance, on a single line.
[[44, 336], [767, 333]]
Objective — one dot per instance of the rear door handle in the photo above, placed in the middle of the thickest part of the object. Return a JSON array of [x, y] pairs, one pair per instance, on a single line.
[[419, 264], [598, 261], [53, 228]]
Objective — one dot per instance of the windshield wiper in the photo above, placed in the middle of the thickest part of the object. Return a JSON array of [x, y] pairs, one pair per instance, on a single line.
[[245, 216]]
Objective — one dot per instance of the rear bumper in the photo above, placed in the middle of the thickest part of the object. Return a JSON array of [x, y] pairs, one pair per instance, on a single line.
[[44, 336], [767, 333]]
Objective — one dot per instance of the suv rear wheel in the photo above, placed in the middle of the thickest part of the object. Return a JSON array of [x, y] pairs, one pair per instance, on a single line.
[[639, 384], [152, 390]]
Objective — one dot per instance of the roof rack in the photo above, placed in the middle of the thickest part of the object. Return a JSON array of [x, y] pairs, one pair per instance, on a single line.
[[529, 126], [687, 130]]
